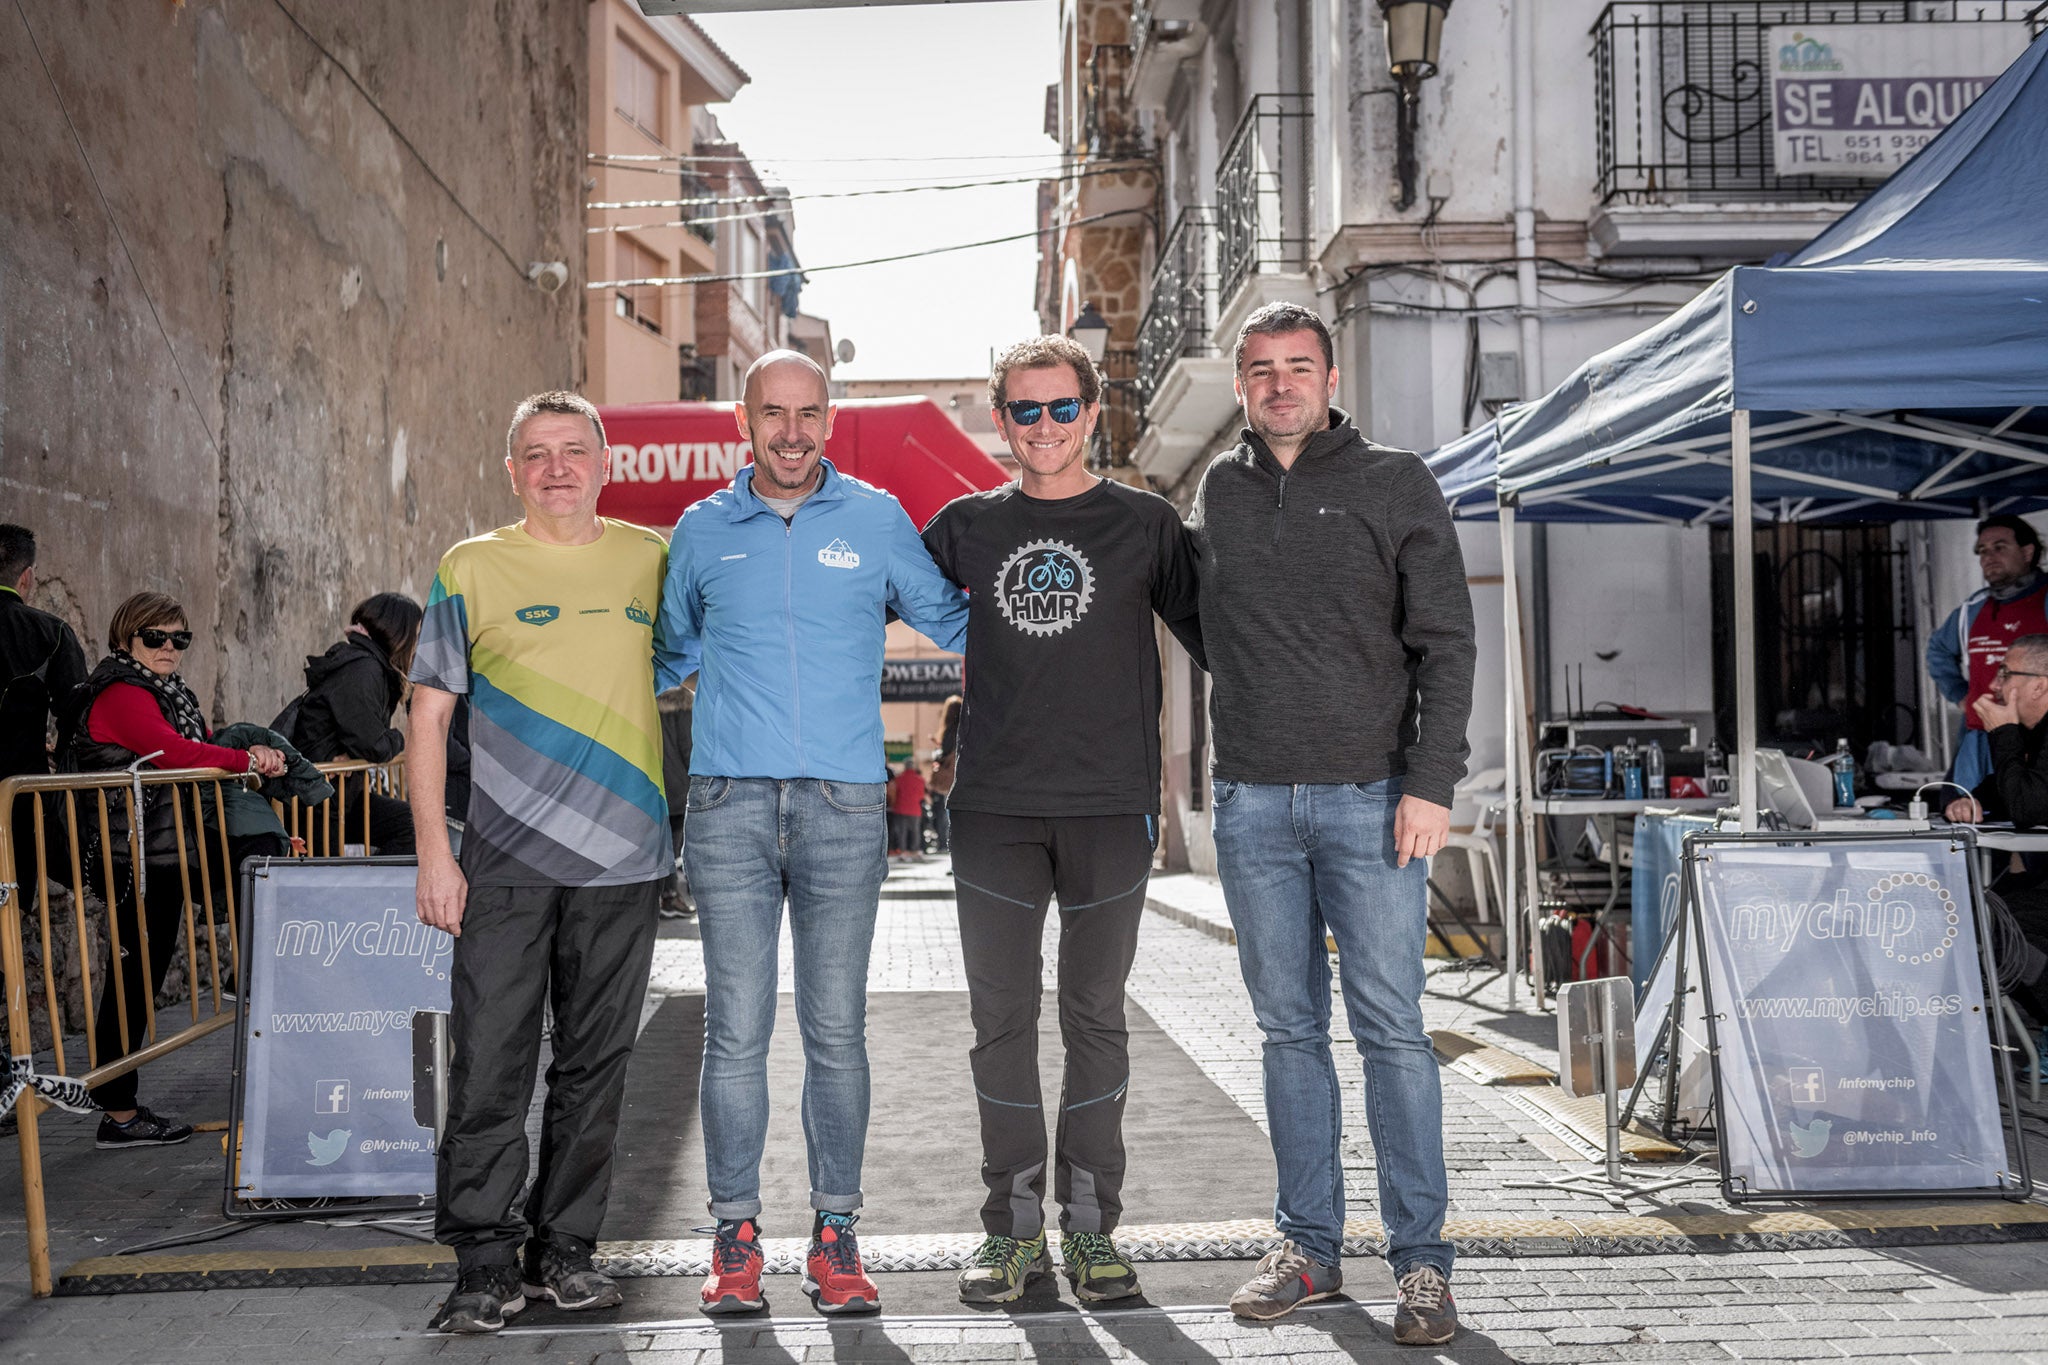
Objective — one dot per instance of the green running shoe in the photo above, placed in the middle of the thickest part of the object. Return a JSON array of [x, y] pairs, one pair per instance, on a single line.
[[1003, 1267], [1095, 1268]]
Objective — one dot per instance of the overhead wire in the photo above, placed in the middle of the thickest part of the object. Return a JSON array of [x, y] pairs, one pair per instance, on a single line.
[[655, 282], [781, 196]]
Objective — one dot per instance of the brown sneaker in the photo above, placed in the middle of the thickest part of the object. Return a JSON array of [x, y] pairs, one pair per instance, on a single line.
[[1286, 1279], [1425, 1314]]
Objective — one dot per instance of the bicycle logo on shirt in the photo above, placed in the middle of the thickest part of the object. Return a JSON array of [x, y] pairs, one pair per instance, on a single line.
[[1044, 587]]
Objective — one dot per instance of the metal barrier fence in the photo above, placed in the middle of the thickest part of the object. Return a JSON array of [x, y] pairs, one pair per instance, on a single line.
[[80, 885]]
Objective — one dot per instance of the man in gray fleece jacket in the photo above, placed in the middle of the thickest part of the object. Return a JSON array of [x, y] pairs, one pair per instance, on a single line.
[[1338, 629]]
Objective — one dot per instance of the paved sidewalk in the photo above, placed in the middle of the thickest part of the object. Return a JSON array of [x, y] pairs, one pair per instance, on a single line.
[[1921, 1303]]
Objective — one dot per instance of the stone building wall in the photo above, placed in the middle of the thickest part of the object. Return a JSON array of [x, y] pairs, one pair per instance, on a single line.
[[263, 300]]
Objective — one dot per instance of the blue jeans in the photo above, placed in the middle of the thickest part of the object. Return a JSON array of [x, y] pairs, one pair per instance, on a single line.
[[753, 842], [1295, 861]]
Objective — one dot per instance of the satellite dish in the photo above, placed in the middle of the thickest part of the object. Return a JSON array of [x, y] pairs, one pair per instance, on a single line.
[[843, 352]]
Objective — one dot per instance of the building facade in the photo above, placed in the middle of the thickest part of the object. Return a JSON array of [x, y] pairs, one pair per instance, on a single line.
[[651, 82], [265, 310], [1573, 171]]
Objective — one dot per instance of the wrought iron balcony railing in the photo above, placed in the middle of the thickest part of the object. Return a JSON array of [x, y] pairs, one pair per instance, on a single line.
[[1683, 92], [1109, 123], [697, 214], [1262, 192], [1181, 310], [2037, 19], [1116, 429]]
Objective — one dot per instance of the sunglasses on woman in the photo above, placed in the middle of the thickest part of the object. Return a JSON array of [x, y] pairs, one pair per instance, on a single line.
[[1025, 412], [152, 638]]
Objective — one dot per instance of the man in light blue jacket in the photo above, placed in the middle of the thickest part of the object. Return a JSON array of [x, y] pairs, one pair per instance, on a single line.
[[777, 594]]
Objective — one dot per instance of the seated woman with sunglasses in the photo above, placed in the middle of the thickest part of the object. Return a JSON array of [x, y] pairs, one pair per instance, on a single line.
[[135, 706]]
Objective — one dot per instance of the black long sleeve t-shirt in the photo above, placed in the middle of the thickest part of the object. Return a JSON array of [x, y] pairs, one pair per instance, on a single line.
[[1335, 615], [1061, 711]]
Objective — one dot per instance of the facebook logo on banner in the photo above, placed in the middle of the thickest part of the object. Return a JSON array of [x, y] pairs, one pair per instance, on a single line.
[[330, 1097], [1806, 1084]]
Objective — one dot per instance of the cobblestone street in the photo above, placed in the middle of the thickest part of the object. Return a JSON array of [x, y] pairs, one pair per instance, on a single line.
[[1945, 1302]]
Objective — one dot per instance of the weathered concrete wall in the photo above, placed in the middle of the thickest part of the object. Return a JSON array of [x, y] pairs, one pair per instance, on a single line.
[[263, 307]]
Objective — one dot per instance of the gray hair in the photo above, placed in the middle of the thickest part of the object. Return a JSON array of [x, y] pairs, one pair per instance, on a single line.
[[554, 400]]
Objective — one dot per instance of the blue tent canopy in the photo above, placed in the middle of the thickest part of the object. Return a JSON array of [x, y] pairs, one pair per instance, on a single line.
[[1896, 367]]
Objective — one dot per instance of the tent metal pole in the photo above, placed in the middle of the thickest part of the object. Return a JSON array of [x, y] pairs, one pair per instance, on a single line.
[[1511, 814], [1745, 623]]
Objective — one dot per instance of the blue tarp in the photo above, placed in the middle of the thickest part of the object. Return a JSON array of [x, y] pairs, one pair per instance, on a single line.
[[1916, 322]]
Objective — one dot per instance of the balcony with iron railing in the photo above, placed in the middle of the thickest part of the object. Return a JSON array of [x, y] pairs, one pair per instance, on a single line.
[[1116, 426], [1109, 123], [1262, 187], [700, 206], [1182, 380], [1181, 311], [1684, 101]]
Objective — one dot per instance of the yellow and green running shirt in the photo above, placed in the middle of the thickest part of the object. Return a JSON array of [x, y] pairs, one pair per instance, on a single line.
[[554, 646]]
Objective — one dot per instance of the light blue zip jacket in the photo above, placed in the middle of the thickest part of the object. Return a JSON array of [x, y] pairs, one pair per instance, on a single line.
[[783, 623]]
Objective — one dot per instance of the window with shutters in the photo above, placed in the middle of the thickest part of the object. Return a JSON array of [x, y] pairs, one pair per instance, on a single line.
[[636, 86]]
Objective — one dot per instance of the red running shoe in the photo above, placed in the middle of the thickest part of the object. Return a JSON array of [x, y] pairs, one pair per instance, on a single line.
[[832, 1274], [734, 1284]]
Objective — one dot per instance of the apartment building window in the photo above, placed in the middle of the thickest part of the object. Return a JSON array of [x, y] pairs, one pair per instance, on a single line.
[[640, 303], [637, 81]]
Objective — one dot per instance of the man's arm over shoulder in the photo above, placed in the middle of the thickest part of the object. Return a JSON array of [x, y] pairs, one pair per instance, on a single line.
[[942, 536], [918, 591], [1436, 629], [1176, 584], [678, 629]]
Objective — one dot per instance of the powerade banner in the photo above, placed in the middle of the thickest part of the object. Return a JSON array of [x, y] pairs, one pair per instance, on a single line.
[[336, 964], [1859, 100], [920, 679], [1847, 1003]]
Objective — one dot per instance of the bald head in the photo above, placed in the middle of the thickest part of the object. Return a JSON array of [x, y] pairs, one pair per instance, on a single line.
[[793, 366], [786, 414]]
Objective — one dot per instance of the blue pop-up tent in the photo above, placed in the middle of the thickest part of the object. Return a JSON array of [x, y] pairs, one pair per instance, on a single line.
[[1895, 367]]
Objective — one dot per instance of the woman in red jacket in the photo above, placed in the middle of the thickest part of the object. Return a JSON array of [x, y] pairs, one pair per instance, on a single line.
[[135, 707]]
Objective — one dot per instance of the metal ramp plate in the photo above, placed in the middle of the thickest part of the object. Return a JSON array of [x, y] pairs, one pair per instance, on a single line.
[[1488, 1065]]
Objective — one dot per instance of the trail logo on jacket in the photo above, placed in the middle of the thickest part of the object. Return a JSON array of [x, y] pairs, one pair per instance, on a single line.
[[839, 555], [637, 613], [1044, 587]]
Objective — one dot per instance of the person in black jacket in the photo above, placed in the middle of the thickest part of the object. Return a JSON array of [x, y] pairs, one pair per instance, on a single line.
[[40, 662], [351, 692], [2013, 712]]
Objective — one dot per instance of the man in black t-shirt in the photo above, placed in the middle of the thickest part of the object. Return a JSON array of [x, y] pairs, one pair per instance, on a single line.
[[1057, 791]]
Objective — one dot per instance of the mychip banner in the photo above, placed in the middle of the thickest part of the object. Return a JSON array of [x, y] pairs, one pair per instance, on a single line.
[[1848, 1011], [1859, 100], [336, 964]]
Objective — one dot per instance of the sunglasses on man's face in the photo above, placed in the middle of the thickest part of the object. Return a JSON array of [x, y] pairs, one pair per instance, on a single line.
[[153, 638], [1025, 412]]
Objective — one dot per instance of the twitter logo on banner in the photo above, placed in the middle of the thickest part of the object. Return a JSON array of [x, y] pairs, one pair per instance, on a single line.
[[326, 1150], [1810, 1140]]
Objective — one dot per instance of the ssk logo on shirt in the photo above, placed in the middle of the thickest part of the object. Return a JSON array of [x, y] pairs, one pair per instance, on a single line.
[[1044, 587], [839, 555]]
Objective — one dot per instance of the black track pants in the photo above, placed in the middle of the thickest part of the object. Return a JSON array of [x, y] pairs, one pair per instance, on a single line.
[[590, 947], [1006, 868]]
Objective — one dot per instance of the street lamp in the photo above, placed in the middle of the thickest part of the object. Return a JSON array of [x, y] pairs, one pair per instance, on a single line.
[[1091, 329], [1415, 33]]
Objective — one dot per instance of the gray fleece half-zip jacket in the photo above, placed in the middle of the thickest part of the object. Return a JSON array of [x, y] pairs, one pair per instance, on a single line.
[[1335, 616]]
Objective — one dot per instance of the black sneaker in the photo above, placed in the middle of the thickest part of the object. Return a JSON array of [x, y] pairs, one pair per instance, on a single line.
[[146, 1129], [566, 1277], [485, 1295]]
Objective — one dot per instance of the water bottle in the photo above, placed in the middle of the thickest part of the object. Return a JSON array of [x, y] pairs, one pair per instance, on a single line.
[[1717, 768], [1629, 759], [1845, 774], [1653, 771]]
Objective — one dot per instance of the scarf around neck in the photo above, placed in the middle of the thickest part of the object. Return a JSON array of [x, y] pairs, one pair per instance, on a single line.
[[174, 698]]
